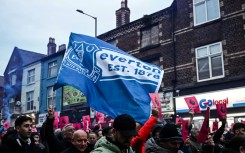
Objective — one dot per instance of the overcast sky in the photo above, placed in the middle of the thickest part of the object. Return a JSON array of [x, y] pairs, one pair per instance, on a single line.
[[28, 24]]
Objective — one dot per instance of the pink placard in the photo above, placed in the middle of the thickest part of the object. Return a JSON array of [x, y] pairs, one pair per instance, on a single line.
[[56, 120], [215, 125], [86, 122], [192, 104], [64, 120], [221, 111], [178, 120], [77, 126], [156, 102], [203, 134], [185, 129], [100, 117]]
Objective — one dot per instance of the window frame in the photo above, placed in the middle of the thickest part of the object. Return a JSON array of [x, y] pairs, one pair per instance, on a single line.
[[13, 78], [30, 99], [30, 76], [51, 97], [52, 66], [209, 56], [206, 10], [151, 38]]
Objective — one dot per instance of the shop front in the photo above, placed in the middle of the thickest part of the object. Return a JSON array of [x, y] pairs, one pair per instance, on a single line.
[[233, 97]]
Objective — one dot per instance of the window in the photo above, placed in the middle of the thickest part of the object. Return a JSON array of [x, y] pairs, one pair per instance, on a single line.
[[150, 37], [11, 105], [51, 96], [155, 62], [205, 11], [30, 76], [29, 100], [209, 61], [52, 69], [13, 78]]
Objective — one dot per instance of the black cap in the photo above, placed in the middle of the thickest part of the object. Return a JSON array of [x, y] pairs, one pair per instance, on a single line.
[[125, 124], [170, 132]]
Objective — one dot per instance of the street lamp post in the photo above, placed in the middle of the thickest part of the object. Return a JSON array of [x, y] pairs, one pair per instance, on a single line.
[[95, 19]]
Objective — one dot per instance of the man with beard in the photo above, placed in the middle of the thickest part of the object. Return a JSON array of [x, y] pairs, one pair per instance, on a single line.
[[20, 140], [124, 129], [169, 141]]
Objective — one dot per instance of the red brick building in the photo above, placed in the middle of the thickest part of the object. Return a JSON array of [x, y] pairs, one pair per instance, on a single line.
[[201, 47]]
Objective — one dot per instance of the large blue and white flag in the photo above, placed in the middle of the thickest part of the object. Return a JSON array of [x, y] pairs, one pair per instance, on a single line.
[[113, 81]]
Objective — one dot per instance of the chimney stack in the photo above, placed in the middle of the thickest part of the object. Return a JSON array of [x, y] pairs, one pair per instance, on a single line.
[[51, 46], [62, 47], [123, 14]]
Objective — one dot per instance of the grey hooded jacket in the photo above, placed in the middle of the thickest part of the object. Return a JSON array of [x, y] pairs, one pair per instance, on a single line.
[[105, 146]]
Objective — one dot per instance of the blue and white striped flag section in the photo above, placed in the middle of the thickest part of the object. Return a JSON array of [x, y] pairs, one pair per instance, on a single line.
[[113, 81]]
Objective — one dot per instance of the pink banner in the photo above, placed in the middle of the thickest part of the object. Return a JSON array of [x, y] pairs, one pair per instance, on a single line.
[[192, 104], [185, 129], [156, 102], [203, 134], [215, 126], [221, 111], [64, 120], [77, 126], [100, 117]]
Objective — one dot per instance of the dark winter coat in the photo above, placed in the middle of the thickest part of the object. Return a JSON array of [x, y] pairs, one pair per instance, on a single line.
[[74, 150], [56, 144], [152, 147], [196, 147], [12, 144]]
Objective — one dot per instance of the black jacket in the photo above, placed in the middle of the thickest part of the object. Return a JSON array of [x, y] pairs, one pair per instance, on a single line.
[[56, 144], [12, 144], [74, 150]]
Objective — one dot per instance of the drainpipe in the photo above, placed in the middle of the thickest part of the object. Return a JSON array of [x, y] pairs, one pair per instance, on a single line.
[[174, 81]]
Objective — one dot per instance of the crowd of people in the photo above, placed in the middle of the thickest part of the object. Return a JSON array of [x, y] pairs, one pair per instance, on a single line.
[[124, 136]]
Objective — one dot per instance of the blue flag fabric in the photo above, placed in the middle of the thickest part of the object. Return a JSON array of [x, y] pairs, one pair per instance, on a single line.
[[113, 81]]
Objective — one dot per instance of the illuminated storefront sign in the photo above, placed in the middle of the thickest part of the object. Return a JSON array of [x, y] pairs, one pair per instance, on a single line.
[[232, 97], [72, 96]]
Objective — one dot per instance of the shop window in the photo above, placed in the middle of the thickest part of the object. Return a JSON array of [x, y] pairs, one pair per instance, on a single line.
[[205, 11], [209, 60], [31, 76], [29, 100], [150, 36], [51, 96], [52, 69]]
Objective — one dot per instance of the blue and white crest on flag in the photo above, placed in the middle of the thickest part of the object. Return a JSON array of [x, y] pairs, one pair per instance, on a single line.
[[113, 81]]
